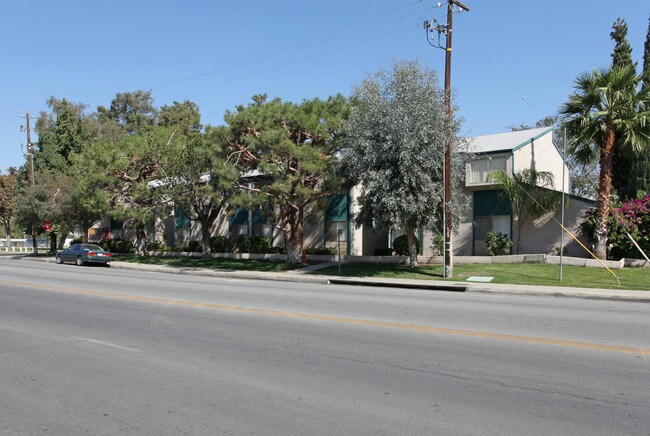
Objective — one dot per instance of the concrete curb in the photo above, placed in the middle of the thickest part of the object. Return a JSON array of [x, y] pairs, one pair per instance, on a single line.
[[297, 276]]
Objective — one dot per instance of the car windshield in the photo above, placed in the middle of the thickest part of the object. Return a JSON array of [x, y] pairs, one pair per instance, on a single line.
[[92, 247]]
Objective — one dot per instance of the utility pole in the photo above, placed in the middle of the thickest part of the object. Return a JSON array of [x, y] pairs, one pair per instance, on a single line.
[[30, 170], [30, 161], [447, 31]]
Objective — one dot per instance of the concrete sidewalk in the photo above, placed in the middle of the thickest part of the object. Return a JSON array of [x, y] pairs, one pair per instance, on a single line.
[[302, 275]]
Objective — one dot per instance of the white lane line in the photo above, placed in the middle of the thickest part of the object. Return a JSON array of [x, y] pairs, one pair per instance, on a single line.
[[108, 344]]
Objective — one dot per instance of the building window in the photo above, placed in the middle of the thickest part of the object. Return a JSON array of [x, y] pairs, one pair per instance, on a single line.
[[263, 229], [481, 168], [239, 229], [332, 229], [485, 224]]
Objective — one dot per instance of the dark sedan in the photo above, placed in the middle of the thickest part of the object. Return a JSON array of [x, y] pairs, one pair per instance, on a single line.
[[82, 254]]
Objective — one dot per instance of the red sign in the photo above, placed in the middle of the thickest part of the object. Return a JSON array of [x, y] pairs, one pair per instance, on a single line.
[[47, 225]]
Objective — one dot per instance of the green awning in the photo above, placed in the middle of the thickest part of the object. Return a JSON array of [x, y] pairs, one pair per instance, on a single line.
[[490, 203], [180, 219], [240, 217], [337, 208]]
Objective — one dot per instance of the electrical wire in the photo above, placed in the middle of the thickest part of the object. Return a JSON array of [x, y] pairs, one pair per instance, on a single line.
[[495, 60], [9, 120], [286, 64], [300, 45]]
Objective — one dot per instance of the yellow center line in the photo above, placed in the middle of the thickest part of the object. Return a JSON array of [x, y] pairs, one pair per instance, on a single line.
[[345, 320]]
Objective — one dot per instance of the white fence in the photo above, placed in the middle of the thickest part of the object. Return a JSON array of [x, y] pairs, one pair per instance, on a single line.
[[21, 245]]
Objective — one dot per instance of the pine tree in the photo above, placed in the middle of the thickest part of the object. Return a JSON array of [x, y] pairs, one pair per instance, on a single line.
[[622, 54], [643, 163], [625, 180], [646, 57]]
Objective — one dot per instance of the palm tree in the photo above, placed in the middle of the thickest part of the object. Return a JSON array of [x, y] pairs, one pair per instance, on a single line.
[[607, 106], [530, 195]]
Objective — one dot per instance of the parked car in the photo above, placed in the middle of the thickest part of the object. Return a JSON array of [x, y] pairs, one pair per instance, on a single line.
[[82, 254]]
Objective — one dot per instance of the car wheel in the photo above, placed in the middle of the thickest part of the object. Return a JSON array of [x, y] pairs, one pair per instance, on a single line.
[[107, 265], [79, 261], [58, 259]]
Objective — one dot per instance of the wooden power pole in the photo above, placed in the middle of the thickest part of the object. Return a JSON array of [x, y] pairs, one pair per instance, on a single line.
[[447, 31], [30, 171]]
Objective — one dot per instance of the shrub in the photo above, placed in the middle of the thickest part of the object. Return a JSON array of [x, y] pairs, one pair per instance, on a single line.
[[401, 246], [383, 252], [155, 246], [633, 217], [438, 246], [221, 244], [498, 244], [78, 241], [194, 247], [118, 246], [258, 244], [240, 243]]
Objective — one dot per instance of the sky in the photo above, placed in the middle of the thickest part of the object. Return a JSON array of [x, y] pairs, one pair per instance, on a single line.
[[513, 62]]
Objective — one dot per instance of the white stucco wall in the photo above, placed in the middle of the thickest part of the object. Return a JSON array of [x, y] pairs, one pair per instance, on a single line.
[[541, 155], [543, 235]]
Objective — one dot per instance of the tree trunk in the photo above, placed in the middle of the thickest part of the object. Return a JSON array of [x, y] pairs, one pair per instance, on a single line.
[[52, 242], [413, 249], [604, 190], [293, 232], [62, 240], [141, 242], [85, 229], [518, 247], [8, 235], [205, 240], [34, 244]]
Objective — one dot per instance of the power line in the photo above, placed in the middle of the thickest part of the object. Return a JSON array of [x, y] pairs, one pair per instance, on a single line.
[[291, 48], [495, 61], [286, 64], [300, 45], [9, 120]]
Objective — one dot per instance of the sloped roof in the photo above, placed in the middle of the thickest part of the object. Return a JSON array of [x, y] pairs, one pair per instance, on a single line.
[[505, 141]]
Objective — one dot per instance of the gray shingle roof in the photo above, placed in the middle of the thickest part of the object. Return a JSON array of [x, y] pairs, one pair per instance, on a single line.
[[504, 141]]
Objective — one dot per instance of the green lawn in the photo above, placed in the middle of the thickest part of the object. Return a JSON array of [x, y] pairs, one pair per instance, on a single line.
[[223, 264], [520, 274]]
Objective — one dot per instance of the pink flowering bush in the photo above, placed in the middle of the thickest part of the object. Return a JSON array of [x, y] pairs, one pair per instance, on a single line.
[[633, 217]]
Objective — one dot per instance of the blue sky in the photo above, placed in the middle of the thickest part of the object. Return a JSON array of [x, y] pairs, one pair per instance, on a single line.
[[513, 61]]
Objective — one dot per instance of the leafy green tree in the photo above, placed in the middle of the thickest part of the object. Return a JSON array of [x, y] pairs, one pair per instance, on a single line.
[[76, 203], [530, 195], [33, 206], [62, 132], [293, 147], [396, 138], [7, 188], [607, 106], [129, 112]]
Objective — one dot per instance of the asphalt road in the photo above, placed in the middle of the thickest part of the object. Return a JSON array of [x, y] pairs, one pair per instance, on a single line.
[[106, 351]]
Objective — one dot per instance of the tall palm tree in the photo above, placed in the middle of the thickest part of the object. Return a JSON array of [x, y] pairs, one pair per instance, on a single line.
[[605, 102]]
